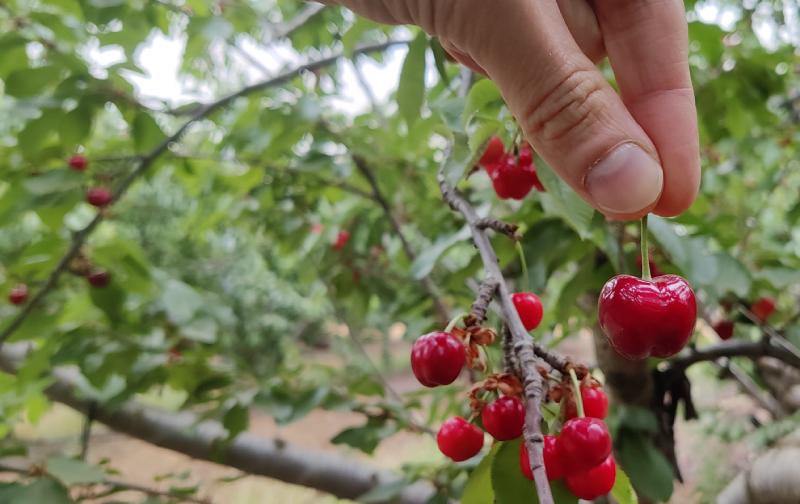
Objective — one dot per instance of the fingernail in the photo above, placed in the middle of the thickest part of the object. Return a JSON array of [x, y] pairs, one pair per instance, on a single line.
[[625, 181]]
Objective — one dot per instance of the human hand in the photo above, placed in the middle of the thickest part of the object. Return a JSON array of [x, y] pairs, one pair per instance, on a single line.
[[626, 154]]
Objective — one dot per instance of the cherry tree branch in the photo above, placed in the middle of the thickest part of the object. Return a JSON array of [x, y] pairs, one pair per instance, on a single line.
[[752, 349], [521, 341]]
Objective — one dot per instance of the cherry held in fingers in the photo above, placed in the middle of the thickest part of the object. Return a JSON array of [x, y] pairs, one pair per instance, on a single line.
[[530, 309], [437, 358], [494, 151], [584, 442], [504, 418], [644, 318], [459, 440], [595, 403], [595, 482]]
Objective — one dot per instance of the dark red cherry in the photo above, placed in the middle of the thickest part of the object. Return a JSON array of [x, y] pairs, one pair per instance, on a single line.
[[595, 482], [763, 308], [437, 358], [459, 440], [530, 309], [18, 294], [494, 151], [510, 179], [99, 278], [99, 196], [644, 318], [724, 329], [595, 403], [78, 162], [341, 240], [504, 418], [584, 443]]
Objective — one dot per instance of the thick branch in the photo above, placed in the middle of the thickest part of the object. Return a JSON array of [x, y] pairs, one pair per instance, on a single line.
[[522, 342], [752, 349], [485, 294], [182, 432]]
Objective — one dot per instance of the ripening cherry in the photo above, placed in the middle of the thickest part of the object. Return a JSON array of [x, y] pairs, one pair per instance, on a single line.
[[595, 403], [554, 464], [99, 196], [18, 294], [99, 278], [763, 308], [459, 440], [594, 482], [437, 358], [530, 309], [78, 162], [584, 442], [504, 418], [341, 240]]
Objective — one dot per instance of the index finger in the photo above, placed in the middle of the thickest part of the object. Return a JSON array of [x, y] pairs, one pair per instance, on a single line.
[[647, 44]]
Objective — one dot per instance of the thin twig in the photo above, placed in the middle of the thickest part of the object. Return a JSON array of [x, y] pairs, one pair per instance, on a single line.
[[481, 305], [752, 349], [766, 400], [505, 228]]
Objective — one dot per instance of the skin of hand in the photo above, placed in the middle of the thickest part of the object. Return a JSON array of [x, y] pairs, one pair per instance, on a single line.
[[626, 153]]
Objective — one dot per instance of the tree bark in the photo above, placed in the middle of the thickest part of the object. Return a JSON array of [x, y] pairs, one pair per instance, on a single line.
[[181, 432]]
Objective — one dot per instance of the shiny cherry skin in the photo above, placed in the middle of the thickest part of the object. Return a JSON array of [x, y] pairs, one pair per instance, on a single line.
[[553, 460], [18, 294], [644, 318], [526, 159], [595, 482], [504, 418], [341, 240], [494, 151], [763, 308], [584, 443], [78, 162], [98, 196], [530, 309], [511, 179], [459, 440], [99, 279], [437, 358], [724, 329], [595, 403]]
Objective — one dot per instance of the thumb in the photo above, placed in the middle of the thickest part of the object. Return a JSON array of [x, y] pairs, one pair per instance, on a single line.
[[570, 114]]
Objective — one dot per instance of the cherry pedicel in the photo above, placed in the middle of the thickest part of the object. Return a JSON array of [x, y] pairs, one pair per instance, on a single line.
[[99, 196], [594, 482], [584, 442], [504, 418], [99, 279], [494, 151], [78, 162], [595, 403], [437, 358], [553, 460], [530, 309], [18, 294], [724, 329], [763, 308], [459, 440]]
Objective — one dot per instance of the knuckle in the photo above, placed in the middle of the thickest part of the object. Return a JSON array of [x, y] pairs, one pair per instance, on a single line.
[[566, 107]]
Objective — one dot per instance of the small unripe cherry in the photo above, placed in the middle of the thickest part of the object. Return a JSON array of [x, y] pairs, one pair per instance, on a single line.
[[437, 358], [78, 162], [99, 196], [585, 443], [530, 309], [595, 403], [99, 278], [18, 294], [459, 440], [504, 418], [594, 482], [553, 460]]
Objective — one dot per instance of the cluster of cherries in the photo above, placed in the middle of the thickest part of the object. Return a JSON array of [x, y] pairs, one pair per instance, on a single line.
[[96, 196], [513, 174]]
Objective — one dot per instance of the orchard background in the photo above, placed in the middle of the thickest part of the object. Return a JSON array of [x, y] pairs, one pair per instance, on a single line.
[[277, 238]]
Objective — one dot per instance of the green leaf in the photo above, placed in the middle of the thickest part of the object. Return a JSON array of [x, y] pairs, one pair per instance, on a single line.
[[110, 299], [510, 485], [411, 91], [37, 133], [146, 133], [649, 471], [482, 93], [236, 420], [478, 489], [562, 201], [440, 59], [623, 491], [71, 471], [425, 262], [42, 490], [76, 125], [367, 436], [31, 81], [54, 181], [384, 493], [180, 301], [732, 276]]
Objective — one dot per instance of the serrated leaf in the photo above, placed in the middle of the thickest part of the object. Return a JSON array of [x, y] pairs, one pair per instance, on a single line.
[[478, 489], [623, 491], [425, 262], [480, 95], [510, 485], [71, 471], [649, 471], [411, 90], [562, 201]]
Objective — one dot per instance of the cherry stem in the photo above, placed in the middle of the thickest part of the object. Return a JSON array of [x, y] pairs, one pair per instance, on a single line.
[[524, 263], [515, 140], [578, 398], [458, 318], [645, 252]]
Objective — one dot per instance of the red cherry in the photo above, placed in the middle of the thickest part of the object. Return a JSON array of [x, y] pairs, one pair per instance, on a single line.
[[78, 162], [553, 460], [594, 483], [494, 151], [584, 443], [99, 196], [511, 179], [341, 240], [595, 403], [763, 308], [641, 318], [437, 358], [724, 329], [18, 294], [99, 278], [504, 418], [530, 309], [459, 440]]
